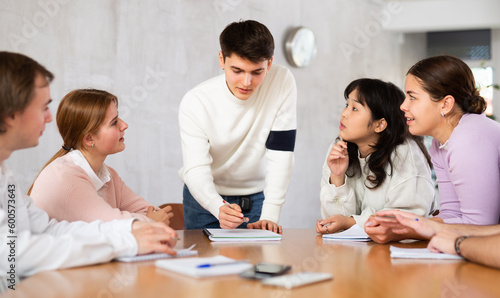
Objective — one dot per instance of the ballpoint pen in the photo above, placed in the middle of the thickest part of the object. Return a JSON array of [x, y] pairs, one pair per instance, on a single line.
[[209, 265], [245, 219]]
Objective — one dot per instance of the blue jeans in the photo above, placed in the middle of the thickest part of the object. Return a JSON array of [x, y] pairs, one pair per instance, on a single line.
[[197, 217]]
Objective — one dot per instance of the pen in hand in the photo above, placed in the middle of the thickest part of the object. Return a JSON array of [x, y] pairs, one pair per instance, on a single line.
[[245, 219]]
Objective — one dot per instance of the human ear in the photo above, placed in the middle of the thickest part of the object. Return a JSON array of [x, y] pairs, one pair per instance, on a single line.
[[270, 62], [448, 103], [381, 125], [221, 60], [88, 140], [9, 120]]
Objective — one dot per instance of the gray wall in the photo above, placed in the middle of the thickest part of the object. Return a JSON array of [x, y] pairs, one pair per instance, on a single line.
[[151, 52]]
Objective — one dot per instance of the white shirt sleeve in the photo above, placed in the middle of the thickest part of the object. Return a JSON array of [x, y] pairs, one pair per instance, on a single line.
[[31, 243]]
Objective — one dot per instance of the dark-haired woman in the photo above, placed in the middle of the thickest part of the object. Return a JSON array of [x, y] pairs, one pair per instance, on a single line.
[[376, 164]]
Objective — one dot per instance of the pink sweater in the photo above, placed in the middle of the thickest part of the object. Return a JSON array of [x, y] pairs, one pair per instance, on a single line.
[[65, 192]]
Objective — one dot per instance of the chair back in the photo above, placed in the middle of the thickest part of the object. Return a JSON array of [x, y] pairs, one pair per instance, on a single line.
[[176, 222]]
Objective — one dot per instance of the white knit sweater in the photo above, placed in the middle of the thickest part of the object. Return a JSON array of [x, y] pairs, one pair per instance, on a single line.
[[224, 141]]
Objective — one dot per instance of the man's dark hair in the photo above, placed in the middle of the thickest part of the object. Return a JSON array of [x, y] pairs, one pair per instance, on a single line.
[[247, 39]]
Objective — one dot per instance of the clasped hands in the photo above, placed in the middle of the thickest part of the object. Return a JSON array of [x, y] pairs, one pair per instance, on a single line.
[[160, 215]]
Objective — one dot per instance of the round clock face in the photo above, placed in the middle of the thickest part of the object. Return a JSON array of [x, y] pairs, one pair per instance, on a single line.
[[300, 47]]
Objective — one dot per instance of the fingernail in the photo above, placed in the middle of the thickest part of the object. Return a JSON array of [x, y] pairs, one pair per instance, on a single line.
[[369, 223]]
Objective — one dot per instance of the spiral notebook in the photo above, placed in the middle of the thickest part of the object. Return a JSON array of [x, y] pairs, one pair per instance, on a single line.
[[187, 252], [241, 235]]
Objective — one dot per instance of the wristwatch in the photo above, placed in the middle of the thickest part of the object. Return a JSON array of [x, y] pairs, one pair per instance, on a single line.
[[458, 241]]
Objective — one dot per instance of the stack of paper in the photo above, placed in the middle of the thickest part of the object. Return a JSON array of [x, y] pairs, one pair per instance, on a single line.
[[203, 267], [420, 253], [354, 233], [239, 235]]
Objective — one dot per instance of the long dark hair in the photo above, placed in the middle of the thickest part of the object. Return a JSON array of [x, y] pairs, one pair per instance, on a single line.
[[383, 99]]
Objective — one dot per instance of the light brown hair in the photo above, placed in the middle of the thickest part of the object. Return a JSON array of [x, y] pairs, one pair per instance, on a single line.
[[80, 112], [17, 83]]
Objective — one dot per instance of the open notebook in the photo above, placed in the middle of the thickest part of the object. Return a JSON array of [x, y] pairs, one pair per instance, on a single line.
[[187, 252], [420, 253], [354, 233], [239, 235], [204, 267]]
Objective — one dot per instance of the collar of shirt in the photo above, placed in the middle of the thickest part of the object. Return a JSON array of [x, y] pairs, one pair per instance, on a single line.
[[444, 146], [99, 179]]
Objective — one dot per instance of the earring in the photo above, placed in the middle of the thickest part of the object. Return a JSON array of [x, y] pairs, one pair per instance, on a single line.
[[442, 114], [92, 146]]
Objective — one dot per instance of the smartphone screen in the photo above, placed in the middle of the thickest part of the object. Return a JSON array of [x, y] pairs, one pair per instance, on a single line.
[[265, 270]]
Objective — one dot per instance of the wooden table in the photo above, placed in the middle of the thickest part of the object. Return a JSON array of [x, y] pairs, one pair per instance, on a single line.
[[359, 270]]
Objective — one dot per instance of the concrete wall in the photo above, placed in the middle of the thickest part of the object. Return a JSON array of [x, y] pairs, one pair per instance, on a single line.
[[150, 52]]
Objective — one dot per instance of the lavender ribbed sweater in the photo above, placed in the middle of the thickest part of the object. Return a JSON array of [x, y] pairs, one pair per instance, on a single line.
[[468, 172]]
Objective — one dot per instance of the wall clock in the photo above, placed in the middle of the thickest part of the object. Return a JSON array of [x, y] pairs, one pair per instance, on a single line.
[[300, 47]]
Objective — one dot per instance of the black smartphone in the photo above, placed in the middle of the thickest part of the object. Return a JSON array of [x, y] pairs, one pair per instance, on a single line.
[[265, 270]]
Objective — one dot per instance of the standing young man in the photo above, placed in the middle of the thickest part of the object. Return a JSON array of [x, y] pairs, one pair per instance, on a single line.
[[238, 135], [30, 242]]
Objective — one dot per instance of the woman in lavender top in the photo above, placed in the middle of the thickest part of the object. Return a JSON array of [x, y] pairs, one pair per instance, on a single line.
[[442, 101]]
